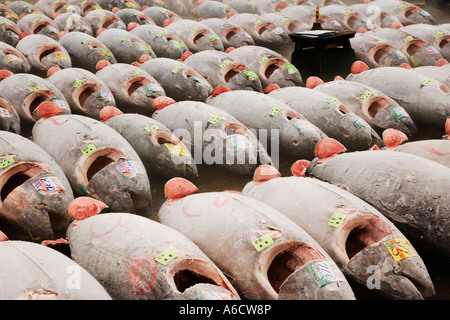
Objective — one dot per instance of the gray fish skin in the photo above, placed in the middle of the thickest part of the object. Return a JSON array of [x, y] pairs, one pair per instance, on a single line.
[[102, 18], [153, 142], [431, 149], [376, 16], [28, 92], [438, 73], [297, 136], [43, 52], [85, 50], [35, 191], [373, 105], [9, 31], [205, 128], [177, 6], [392, 186], [308, 16], [85, 6], [287, 23], [132, 242], [220, 69], [51, 7], [434, 35], [86, 93], [213, 9], [406, 12], [130, 15], [163, 43], [45, 274], [311, 203], [71, 22], [133, 88], [23, 8], [271, 35], [37, 23], [245, 220], [13, 60], [230, 35], [331, 116], [418, 51], [196, 35], [98, 171], [125, 46], [111, 4], [375, 52], [347, 18], [9, 119], [270, 66], [245, 6], [272, 6], [180, 82], [159, 15], [426, 104]]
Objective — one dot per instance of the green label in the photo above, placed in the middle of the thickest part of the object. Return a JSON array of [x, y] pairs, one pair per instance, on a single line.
[[426, 82], [257, 22], [336, 219], [35, 88], [382, 41], [78, 83], [367, 94], [263, 242], [167, 256], [138, 72], [124, 37], [6, 162], [86, 41], [106, 52], [332, 100], [213, 37], [176, 69], [262, 60], [250, 74], [398, 112], [408, 39], [214, 119], [274, 111], [89, 149], [193, 29], [438, 35], [151, 128], [324, 272], [160, 34], [223, 64]]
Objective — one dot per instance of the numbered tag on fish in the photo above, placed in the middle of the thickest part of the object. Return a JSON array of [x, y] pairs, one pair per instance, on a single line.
[[332, 100], [263, 242], [167, 256], [291, 68], [6, 162], [399, 112], [301, 125], [47, 185], [367, 94], [78, 83], [426, 81], [4, 113], [325, 272], [237, 142], [176, 149], [400, 249], [250, 75], [61, 56], [129, 168]]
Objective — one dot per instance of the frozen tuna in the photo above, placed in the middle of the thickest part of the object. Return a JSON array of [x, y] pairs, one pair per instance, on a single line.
[[35, 191], [36, 272], [33, 97], [9, 31], [70, 22], [270, 66], [213, 9], [12, 59], [85, 50], [159, 15], [356, 236], [161, 152], [230, 35], [406, 12], [134, 89], [51, 8], [97, 161], [281, 259], [145, 260], [104, 19], [272, 119], [221, 69], [37, 23], [43, 53], [180, 81]]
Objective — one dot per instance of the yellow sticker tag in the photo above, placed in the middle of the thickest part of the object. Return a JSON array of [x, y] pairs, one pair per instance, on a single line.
[[336, 219], [400, 249], [167, 256], [176, 149], [6, 162], [263, 242], [61, 56]]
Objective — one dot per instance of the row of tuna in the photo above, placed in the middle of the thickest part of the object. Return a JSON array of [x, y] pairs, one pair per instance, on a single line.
[[82, 178]]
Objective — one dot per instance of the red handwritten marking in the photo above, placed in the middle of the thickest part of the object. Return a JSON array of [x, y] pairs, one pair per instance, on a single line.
[[185, 210], [142, 274], [436, 152], [55, 121], [217, 203], [119, 223]]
